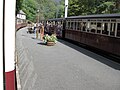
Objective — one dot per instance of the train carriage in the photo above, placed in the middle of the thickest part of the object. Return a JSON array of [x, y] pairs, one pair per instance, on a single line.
[[101, 32], [98, 31]]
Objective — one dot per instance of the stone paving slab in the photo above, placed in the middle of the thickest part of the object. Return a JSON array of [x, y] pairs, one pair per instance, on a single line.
[[63, 67]]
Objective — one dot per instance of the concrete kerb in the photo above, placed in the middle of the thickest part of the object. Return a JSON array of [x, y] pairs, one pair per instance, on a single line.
[[17, 73]]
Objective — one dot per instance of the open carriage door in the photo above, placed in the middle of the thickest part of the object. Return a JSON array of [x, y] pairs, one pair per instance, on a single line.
[[9, 43], [1, 47]]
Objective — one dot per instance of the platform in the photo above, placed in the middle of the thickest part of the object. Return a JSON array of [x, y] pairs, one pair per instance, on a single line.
[[64, 66]]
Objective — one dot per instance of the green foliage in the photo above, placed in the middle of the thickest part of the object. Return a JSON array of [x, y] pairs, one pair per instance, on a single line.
[[106, 7], [87, 7], [51, 38], [47, 8], [30, 8], [51, 9], [18, 5], [60, 9]]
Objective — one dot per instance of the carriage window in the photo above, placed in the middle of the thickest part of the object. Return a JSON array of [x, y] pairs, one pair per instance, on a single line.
[[88, 26], [98, 24], [105, 29], [53, 22], [75, 23], [67, 25], [81, 26], [84, 26], [112, 29], [78, 26], [61, 24], [118, 30], [56, 23], [71, 25], [99, 27], [93, 27]]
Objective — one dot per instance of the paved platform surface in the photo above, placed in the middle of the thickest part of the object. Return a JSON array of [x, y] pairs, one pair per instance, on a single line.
[[63, 67]]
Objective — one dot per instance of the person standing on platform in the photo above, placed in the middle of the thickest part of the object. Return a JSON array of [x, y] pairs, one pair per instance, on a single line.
[[37, 30], [34, 28], [42, 32]]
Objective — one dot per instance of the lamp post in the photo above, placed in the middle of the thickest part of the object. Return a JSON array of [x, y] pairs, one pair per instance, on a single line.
[[66, 8], [37, 26]]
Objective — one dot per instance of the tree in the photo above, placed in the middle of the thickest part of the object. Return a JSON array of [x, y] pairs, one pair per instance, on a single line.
[[60, 9], [48, 8], [87, 7], [30, 8], [18, 5]]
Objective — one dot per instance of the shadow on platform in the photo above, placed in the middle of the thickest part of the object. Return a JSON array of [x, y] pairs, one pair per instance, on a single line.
[[42, 43], [91, 54]]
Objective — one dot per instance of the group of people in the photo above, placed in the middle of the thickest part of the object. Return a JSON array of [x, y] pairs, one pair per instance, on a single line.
[[53, 29], [39, 30]]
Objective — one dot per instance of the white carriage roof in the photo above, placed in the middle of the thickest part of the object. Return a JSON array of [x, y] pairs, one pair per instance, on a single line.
[[96, 16]]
